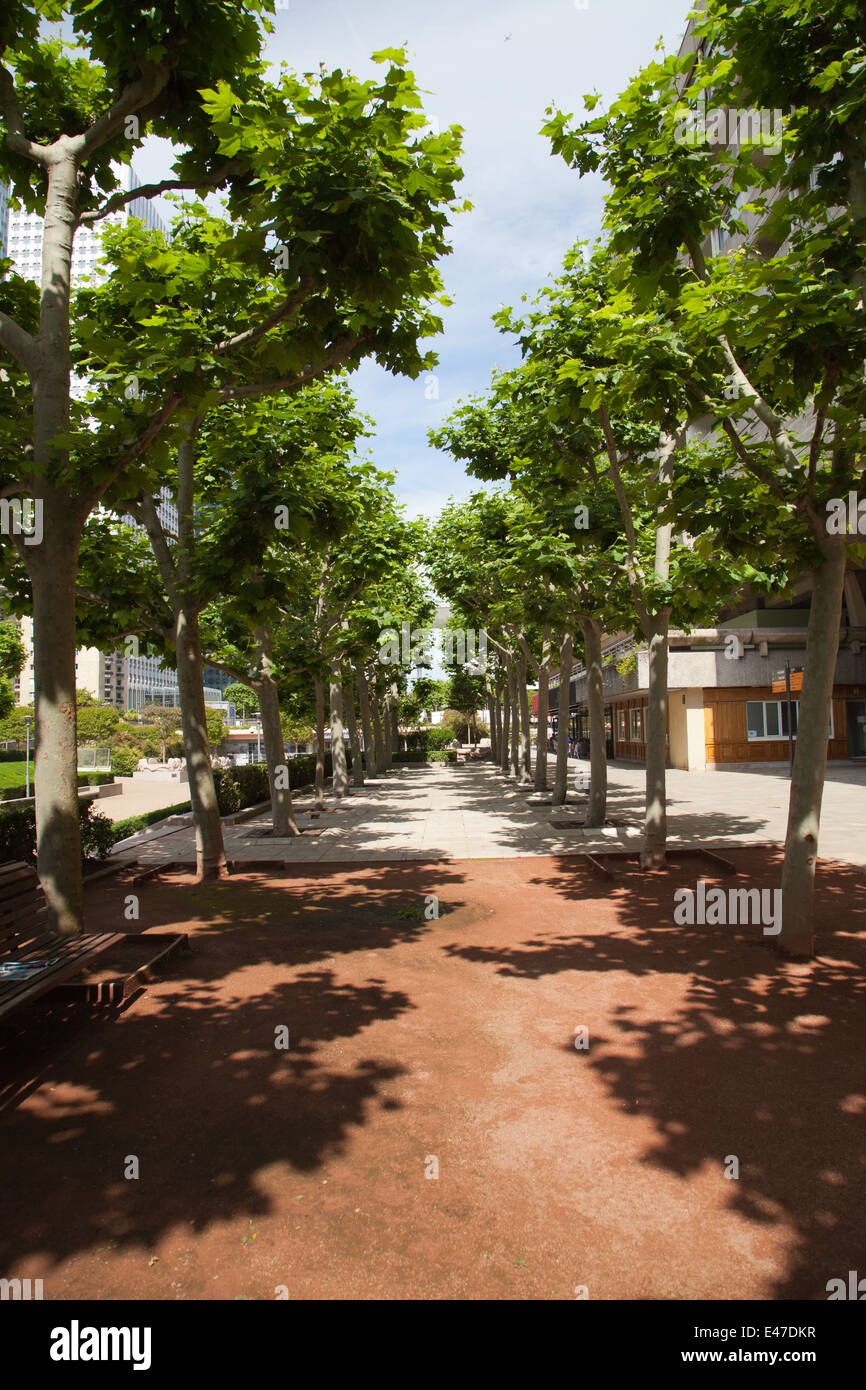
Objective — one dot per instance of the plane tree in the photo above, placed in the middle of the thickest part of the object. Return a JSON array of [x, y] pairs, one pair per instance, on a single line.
[[337, 213], [775, 326]]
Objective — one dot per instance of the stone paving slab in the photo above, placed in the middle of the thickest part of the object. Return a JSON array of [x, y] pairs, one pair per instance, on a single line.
[[476, 812]]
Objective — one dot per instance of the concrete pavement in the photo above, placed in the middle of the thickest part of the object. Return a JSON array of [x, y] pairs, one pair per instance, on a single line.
[[473, 812]]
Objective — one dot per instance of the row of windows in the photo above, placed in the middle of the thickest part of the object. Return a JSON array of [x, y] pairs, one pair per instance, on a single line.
[[768, 719], [765, 719]]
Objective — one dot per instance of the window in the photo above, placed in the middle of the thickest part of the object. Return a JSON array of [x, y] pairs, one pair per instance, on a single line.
[[768, 719], [636, 723], [621, 732]]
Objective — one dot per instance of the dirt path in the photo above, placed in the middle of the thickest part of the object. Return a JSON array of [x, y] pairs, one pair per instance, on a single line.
[[452, 1040]]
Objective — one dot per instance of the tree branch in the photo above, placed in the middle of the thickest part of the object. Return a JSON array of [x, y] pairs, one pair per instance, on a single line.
[[288, 307], [16, 139], [21, 344], [153, 190], [338, 353], [138, 94]]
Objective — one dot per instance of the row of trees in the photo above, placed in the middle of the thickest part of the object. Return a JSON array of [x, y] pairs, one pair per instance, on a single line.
[[335, 199], [681, 420]]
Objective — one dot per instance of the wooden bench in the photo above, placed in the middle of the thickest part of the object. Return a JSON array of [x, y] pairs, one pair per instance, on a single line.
[[34, 960]]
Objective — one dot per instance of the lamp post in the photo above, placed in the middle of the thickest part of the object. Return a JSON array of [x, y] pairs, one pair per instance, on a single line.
[[27, 761]]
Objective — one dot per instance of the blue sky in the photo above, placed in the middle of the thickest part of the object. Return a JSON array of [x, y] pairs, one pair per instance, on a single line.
[[492, 68]]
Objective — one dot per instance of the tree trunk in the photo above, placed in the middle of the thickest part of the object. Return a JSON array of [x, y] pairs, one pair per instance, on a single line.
[[282, 811], [395, 719], [354, 742], [505, 742], [494, 729], [53, 567], [378, 734], [209, 850], [515, 718], [366, 722], [340, 770], [541, 740], [596, 811], [566, 661], [797, 936], [525, 774], [656, 822], [387, 730], [320, 743]]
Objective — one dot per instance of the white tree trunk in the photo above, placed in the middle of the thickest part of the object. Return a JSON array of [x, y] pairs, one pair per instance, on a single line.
[[566, 662], [320, 742], [282, 810], [597, 808], [810, 757], [656, 821], [541, 740], [366, 722], [209, 849], [52, 580], [354, 741], [338, 744]]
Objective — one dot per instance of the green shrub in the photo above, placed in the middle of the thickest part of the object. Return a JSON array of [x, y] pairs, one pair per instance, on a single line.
[[227, 790], [123, 762], [438, 736], [97, 832], [414, 755], [18, 833], [252, 780], [15, 755]]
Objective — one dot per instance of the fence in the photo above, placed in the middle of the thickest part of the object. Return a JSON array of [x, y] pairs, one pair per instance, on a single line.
[[93, 759]]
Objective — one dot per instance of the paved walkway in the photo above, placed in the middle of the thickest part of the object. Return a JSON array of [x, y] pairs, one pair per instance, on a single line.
[[139, 797], [473, 812]]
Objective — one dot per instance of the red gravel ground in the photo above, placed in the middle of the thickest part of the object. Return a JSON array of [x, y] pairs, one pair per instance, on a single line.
[[453, 1040]]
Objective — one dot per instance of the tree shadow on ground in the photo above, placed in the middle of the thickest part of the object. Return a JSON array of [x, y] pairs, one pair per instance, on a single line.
[[195, 1085], [730, 1050]]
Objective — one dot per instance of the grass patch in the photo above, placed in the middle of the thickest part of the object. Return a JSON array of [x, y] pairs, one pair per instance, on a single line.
[[417, 912]]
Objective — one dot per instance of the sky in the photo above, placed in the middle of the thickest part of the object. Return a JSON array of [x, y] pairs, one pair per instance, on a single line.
[[493, 69]]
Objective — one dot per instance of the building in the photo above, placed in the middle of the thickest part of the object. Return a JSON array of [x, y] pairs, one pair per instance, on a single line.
[[727, 699], [727, 703]]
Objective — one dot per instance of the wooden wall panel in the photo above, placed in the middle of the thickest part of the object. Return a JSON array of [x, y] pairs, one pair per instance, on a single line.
[[725, 727]]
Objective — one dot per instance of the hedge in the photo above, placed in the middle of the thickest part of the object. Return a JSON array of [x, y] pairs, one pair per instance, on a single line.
[[18, 833], [414, 755], [15, 755], [124, 828], [245, 786]]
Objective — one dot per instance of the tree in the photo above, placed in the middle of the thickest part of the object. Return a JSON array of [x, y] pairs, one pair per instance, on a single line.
[[166, 720], [774, 335], [96, 721], [333, 178], [12, 658], [243, 697]]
